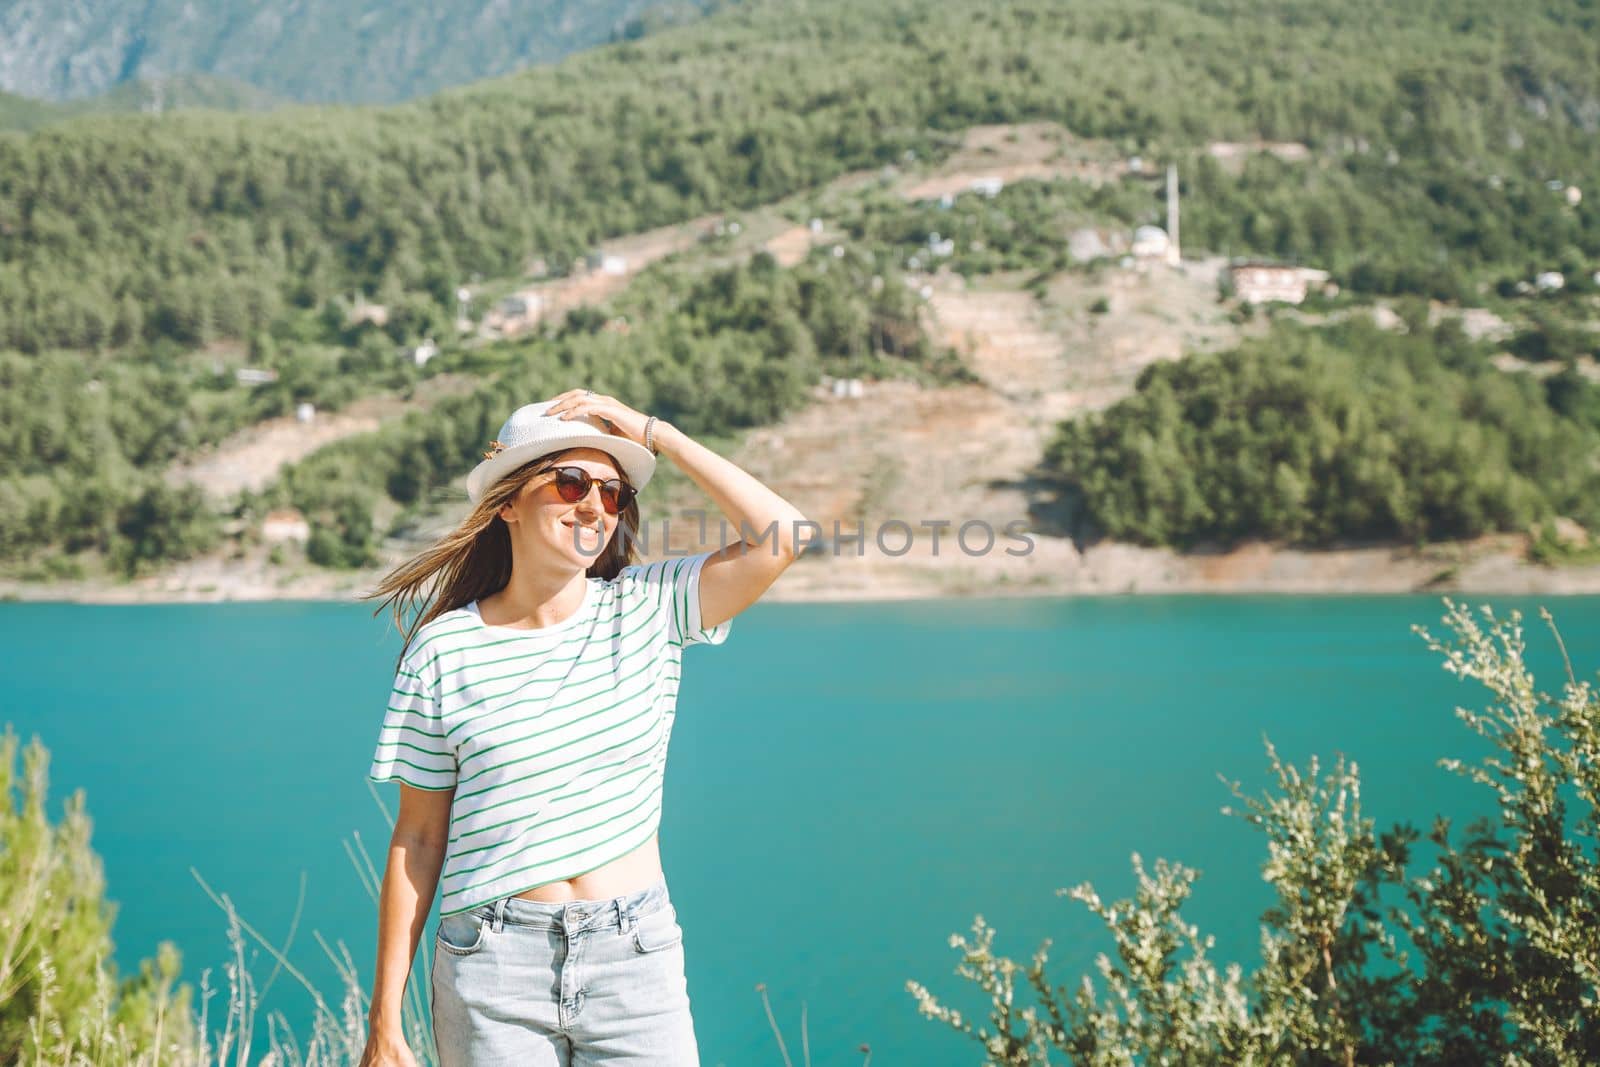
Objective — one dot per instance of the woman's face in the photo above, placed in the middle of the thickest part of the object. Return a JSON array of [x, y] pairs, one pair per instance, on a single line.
[[543, 523]]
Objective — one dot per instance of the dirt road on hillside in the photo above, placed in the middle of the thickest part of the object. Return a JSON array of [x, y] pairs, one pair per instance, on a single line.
[[252, 458]]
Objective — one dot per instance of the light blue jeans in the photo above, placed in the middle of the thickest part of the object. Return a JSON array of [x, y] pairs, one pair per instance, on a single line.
[[522, 983]]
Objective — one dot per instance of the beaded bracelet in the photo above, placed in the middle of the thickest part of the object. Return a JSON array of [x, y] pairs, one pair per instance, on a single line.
[[649, 427]]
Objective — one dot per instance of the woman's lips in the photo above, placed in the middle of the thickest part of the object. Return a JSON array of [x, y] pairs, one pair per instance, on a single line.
[[589, 532]]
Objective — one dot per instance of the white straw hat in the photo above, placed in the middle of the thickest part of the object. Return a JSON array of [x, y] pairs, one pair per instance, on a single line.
[[529, 433]]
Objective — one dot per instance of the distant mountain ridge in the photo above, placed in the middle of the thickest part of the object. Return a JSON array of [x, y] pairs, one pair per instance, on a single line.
[[333, 51], [145, 96]]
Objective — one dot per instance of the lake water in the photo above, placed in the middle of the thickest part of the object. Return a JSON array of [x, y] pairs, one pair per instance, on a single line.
[[848, 785]]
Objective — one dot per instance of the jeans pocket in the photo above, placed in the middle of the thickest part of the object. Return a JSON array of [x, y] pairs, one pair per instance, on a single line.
[[657, 930], [461, 934]]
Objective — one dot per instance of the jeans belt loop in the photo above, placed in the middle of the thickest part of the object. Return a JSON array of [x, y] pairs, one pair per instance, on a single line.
[[499, 922], [623, 915]]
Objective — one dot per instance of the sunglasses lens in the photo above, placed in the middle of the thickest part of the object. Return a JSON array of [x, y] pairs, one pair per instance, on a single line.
[[615, 495], [573, 485]]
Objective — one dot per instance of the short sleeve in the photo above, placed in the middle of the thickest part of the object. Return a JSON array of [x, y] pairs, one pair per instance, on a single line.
[[412, 747], [675, 584]]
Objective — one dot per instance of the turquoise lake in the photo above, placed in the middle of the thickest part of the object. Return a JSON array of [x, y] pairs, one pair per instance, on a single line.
[[849, 784]]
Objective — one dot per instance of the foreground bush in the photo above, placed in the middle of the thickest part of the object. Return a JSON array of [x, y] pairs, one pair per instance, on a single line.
[[61, 1002], [60, 999], [1490, 954]]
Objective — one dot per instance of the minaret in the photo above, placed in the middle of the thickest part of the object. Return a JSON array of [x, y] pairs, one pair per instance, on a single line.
[[1173, 254]]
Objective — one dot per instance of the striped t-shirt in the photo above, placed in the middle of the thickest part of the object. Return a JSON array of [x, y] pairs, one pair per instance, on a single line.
[[555, 739]]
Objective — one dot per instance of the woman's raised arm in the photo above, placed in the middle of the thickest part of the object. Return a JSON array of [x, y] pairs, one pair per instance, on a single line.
[[768, 527]]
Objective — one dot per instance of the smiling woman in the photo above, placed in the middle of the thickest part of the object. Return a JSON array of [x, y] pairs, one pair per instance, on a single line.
[[528, 728]]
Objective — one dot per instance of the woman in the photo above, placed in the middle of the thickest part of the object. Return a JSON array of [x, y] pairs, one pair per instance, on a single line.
[[528, 728]]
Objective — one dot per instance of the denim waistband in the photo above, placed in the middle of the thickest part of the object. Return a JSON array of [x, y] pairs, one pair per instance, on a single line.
[[575, 915]]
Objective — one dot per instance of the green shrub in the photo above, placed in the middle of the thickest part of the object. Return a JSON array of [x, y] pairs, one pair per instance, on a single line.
[[62, 1005], [1489, 955], [60, 999]]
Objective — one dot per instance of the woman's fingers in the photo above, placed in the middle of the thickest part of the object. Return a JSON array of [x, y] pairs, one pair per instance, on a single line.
[[565, 401], [617, 418], [595, 402], [579, 407], [557, 400]]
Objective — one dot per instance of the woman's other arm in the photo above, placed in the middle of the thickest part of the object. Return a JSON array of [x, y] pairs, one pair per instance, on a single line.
[[735, 577], [410, 876]]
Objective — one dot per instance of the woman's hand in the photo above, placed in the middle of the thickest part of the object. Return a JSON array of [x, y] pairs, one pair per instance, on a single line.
[[617, 417], [386, 1048]]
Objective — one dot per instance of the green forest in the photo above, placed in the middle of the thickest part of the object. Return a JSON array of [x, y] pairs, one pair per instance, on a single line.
[[116, 230], [130, 246], [1346, 433]]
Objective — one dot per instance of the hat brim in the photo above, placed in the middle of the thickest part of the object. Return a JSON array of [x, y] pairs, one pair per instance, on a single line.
[[636, 462]]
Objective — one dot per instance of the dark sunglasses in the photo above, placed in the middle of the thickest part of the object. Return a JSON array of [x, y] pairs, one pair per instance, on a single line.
[[573, 484]]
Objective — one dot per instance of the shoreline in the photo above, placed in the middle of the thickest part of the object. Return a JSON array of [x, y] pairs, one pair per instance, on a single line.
[[1493, 565]]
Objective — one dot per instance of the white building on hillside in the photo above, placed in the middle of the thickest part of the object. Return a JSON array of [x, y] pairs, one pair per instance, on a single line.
[[285, 524], [1150, 242], [1262, 283]]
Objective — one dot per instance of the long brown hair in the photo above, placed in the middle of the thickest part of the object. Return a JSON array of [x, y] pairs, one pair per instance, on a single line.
[[474, 559]]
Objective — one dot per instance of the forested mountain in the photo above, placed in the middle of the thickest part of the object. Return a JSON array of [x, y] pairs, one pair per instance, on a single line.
[[191, 225], [349, 51], [1433, 129], [154, 95]]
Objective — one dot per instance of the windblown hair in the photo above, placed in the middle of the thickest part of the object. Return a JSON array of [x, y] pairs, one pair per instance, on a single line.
[[474, 560]]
